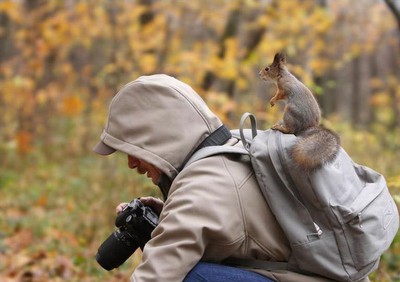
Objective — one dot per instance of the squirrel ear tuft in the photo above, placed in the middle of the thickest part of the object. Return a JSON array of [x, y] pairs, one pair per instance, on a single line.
[[279, 58]]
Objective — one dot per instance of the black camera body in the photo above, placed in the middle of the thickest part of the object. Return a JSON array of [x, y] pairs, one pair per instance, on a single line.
[[134, 226]]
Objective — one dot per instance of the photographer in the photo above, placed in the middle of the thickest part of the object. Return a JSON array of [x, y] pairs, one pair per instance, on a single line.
[[214, 210]]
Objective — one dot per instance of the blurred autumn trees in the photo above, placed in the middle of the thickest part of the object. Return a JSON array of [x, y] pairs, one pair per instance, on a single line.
[[67, 58], [62, 61]]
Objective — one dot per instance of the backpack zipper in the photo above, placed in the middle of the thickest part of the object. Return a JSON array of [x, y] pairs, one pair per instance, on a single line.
[[278, 143]]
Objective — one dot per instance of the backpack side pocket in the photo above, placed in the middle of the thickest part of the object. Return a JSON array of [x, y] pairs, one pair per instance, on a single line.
[[369, 224]]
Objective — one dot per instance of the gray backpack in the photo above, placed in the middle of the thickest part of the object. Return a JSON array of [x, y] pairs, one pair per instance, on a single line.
[[339, 219]]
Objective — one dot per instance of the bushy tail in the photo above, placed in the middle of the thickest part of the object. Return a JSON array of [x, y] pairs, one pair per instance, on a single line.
[[315, 147]]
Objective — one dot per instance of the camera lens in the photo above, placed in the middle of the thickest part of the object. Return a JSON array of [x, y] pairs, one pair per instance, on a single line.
[[115, 250]]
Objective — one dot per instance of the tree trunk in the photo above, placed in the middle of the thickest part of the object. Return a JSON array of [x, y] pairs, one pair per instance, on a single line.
[[361, 94]]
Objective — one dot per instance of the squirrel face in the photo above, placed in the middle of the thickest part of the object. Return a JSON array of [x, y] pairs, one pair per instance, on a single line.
[[273, 71]]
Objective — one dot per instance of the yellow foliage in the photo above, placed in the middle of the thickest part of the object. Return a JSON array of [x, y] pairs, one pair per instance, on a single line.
[[228, 70], [220, 104], [11, 9], [376, 83], [263, 21], [380, 99], [42, 97], [147, 63], [82, 8], [242, 83], [319, 66], [393, 81]]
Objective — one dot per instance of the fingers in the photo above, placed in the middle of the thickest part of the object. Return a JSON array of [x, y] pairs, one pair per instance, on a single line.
[[155, 203], [120, 207]]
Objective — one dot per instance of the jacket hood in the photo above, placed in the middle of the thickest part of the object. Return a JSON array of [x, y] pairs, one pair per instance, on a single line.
[[158, 119]]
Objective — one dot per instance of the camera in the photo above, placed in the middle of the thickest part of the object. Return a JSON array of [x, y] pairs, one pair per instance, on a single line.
[[134, 226]]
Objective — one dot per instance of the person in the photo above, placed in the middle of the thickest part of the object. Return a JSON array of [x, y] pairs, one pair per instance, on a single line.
[[213, 210]]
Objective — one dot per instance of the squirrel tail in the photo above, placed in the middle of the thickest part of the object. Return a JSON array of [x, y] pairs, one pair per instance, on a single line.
[[315, 147]]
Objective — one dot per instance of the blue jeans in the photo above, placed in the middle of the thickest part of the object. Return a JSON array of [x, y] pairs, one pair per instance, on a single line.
[[212, 272]]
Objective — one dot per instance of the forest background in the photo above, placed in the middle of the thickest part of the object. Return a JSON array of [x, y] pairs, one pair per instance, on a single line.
[[61, 62]]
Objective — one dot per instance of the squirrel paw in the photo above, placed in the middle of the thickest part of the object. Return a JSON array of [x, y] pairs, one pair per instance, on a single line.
[[276, 127], [281, 128]]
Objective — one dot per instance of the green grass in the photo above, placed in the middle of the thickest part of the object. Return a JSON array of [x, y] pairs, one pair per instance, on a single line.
[[58, 203], [62, 208]]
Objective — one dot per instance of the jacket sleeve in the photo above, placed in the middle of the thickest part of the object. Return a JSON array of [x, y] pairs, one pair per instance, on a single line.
[[197, 219]]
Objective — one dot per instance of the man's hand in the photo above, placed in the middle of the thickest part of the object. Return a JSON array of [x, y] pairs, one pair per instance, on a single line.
[[155, 203], [120, 207]]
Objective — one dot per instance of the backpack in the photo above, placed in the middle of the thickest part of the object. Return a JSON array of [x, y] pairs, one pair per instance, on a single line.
[[338, 219]]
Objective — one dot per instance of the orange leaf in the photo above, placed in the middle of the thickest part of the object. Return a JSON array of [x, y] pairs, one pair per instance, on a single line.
[[42, 201], [24, 141], [72, 106]]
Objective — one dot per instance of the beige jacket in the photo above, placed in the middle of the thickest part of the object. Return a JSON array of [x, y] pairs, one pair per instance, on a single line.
[[214, 208]]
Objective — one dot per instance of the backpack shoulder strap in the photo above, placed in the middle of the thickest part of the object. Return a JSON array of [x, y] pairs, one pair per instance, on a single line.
[[245, 135], [215, 150]]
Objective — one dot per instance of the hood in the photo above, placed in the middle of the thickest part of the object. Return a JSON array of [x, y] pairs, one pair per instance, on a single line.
[[158, 119]]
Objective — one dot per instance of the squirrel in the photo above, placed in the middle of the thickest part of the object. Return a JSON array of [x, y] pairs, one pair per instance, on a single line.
[[317, 145]]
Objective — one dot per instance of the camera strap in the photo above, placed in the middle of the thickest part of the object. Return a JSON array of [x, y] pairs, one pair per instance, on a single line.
[[164, 183], [218, 137]]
